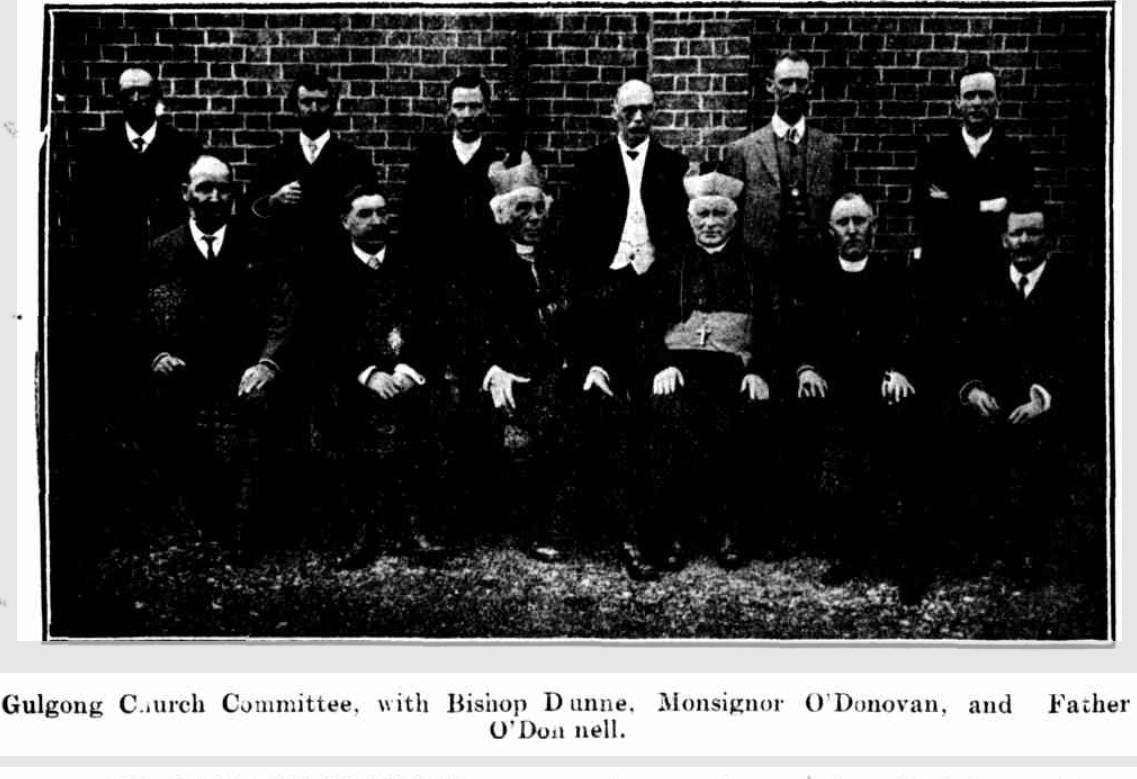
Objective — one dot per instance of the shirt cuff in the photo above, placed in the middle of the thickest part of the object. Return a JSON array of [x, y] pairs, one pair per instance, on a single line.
[[601, 371], [268, 362], [365, 374], [261, 208], [965, 390], [1037, 391], [158, 358], [494, 369], [803, 368], [402, 369]]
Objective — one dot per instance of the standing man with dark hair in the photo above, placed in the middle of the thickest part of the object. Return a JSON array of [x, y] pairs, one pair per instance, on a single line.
[[792, 172], [626, 220], [298, 185], [964, 181]]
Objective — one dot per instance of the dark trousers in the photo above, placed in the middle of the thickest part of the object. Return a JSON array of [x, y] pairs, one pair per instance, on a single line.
[[710, 454]]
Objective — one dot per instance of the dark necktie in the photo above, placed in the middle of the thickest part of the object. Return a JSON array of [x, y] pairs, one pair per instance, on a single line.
[[792, 136], [139, 144], [210, 255], [1023, 282], [632, 154]]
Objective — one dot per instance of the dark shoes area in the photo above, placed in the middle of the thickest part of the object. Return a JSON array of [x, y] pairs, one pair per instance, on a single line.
[[635, 564]]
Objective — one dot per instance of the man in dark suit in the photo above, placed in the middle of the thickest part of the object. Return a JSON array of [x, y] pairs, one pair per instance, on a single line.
[[297, 187], [1020, 360], [526, 353], [360, 308], [217, 327], [625, 221], [792, 173], [857, 422], [711, 450]]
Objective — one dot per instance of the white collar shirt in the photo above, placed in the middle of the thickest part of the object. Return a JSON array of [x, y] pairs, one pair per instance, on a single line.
[[202, 244], [853, 266], [781, 127], [465, 151], [635, 247], [147, 137], [370, 260], [1031, 278], [975, 145], [312, 147]]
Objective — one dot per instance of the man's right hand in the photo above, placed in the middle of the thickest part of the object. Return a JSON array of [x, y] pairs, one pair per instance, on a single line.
[[982, 401], [811, 385], [383, 384], [597, 378], [168, 364], [288, 195]]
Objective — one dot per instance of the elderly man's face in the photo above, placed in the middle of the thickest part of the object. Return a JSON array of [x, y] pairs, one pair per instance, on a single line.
[[467, 112], [977, 102], [790, 86], [1025, 240], [634, 110], [527, 217], [315, 109], [712, 220], [851, 225], [366, 222], [138, 98], [209, 193]]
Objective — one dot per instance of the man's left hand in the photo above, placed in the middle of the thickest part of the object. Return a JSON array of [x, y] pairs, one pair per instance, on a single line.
[[1027, 411], [254, 380], [755, 387], [896, 387], [501, 388]]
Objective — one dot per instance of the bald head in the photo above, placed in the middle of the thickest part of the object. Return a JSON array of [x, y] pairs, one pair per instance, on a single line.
[[209, 192], [633, 109], [138, 98]]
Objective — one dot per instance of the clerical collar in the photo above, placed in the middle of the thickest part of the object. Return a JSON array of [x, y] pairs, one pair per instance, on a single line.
[[640, 150], [853, 266], [464, 150], [365, 257], [714, 249], [147, 137], [525, 251], [975, 145], [781, 127], [306, 143]]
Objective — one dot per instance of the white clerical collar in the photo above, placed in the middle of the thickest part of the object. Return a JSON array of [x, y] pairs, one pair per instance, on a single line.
[[781, 127], [715, 249], [366, 257], [198, 234], [147, 137], [464, 150], [975, 145], [525, 251], [1031, 278], [853, 266], [306, 144], [640, 150]]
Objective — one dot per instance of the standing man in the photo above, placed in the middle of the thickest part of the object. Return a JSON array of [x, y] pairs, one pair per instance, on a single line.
[[1021, 358], [217, 326], [964, 181], [792, 172], [855, 429], [624, 225], [297, 187]]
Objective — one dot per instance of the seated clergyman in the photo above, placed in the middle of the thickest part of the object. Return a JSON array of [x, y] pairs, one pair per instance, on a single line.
[[712, 382]]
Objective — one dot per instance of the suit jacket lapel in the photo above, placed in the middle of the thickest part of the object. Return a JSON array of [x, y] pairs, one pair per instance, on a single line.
[[620, 176], [814, 160], [768, 153]]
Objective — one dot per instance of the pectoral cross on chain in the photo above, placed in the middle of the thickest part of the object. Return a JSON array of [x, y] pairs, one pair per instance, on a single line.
[[703, 332]]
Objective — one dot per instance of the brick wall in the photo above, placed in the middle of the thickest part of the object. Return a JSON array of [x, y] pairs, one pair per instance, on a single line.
[[883, 81]]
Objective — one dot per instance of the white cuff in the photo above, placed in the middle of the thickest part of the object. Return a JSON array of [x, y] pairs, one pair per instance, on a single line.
[[402, 369], [365, 375], [269, 363], [965, 390], [158, 358], [1038, 391], [494, 369], [601, 371], [806, 367]]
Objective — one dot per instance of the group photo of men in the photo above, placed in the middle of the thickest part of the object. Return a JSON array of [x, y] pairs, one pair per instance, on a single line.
[[626, 324]]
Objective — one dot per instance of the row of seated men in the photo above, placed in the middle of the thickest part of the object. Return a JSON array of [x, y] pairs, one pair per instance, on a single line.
[[699, 370]]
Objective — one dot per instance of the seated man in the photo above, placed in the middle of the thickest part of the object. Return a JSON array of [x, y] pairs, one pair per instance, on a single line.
[[854, 427], [361, 309], [711, 382], [218, 321], [1020, 352], [525, 352]]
